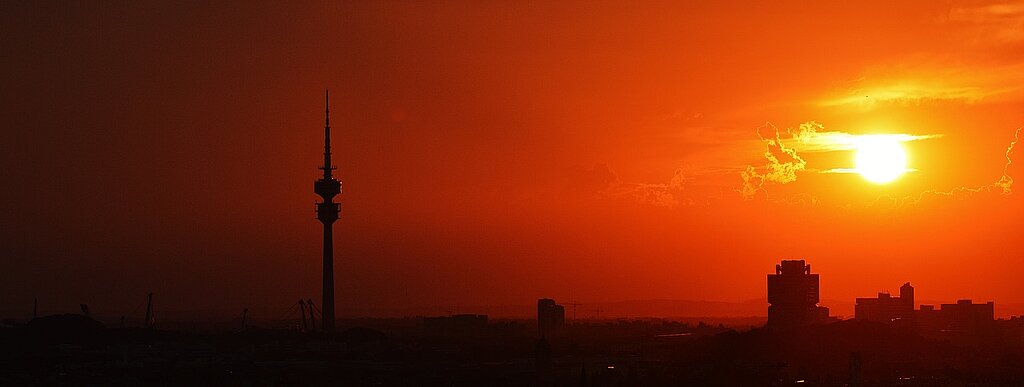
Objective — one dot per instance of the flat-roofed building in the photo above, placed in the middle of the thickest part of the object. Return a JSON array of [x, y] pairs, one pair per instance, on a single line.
[[962, 322]]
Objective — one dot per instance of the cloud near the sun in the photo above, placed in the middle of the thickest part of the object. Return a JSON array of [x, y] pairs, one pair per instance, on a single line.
[[811, 137], [782, 164], [782, 154]]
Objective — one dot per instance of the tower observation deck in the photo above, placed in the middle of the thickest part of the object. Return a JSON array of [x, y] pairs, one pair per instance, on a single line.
[[327, 187]]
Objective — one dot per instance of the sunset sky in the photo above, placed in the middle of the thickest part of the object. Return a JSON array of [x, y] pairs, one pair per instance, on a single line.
[[495, 152]]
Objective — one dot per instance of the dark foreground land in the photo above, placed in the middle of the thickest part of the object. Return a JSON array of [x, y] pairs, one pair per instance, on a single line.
[[74, 350]]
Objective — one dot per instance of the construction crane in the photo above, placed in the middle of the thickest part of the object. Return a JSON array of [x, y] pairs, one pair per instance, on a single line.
[[302, 310], [245, 314], [574, 305], [148, 322], [312, 314]]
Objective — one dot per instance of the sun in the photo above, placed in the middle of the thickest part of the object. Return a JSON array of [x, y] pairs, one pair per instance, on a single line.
[[880, 158]]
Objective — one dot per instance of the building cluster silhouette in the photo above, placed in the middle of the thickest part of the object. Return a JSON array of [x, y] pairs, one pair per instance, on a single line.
[[963, 321], [793, 295], [886, 308]]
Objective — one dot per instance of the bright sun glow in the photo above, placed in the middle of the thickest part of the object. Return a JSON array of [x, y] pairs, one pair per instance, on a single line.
[[880, 158]]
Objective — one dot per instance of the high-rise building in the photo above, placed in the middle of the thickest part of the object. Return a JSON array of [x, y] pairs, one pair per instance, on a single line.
[[793, 295], [886, 308], [327, 212], [550, 316]]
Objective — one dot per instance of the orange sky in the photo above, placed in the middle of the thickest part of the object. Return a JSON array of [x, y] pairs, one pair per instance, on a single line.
[[495, 153]]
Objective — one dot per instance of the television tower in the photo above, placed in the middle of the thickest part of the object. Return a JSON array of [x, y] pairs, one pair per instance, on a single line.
[[327, 212]]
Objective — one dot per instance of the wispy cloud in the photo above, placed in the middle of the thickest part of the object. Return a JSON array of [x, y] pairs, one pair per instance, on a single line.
[[782, 164], [810, 137], [667, 194], [990, 24], [980, 62], [602, 182], [912, 92], [1002, 186], [923, 83]]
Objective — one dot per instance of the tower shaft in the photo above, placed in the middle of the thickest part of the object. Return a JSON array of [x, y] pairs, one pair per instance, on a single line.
[[328, 287], [327, 212]]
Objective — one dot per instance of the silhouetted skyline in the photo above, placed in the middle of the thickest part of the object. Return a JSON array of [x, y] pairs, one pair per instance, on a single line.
[[496, 153], [889, 343], [536, 193]]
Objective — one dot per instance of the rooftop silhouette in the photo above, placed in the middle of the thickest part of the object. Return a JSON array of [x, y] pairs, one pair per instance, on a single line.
[[793, 295]]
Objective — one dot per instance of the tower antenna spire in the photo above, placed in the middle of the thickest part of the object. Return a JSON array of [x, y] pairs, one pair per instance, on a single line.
[[327, 210], [328, 167]]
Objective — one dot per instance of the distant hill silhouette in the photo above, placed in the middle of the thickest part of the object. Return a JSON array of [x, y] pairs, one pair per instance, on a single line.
[[663, 308], [666, 308]]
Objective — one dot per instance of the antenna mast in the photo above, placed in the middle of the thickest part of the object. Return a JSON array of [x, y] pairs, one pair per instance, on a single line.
[[327, 212]]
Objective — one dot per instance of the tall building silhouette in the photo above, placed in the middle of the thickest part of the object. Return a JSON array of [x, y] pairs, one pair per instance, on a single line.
[[793, 295], [550, 316], [327, 212]]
